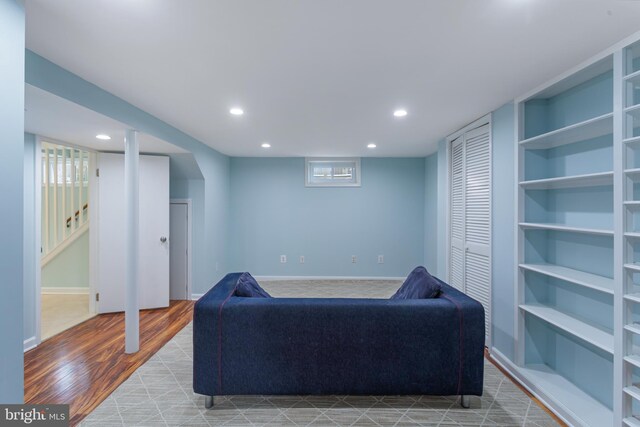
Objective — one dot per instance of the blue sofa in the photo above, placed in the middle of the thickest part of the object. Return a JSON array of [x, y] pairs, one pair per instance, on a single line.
[[299, 346]]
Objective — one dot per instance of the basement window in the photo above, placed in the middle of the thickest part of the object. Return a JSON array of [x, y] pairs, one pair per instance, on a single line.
[[334, 172]]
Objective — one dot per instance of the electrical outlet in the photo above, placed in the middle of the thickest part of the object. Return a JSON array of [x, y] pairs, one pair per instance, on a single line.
[[380, 259], [353, 259], [301, 259], [283, 259]]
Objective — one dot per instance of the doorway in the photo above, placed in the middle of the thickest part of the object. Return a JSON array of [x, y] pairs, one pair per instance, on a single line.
[[64, 276], [180, 249]]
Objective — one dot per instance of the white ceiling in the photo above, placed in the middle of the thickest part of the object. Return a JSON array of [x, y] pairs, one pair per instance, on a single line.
[[323, 77], [56, 118]]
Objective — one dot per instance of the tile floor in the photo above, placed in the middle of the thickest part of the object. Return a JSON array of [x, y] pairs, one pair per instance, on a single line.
[[62, 311], [160, 392]]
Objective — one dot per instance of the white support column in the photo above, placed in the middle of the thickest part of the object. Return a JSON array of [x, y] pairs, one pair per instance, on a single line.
[[131, 177]]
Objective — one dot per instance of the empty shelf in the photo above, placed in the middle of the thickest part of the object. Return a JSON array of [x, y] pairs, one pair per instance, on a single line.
[[632, 422], [588, 129], [589, 280], [584, 407], [586, 180], [561, 227], [634, 111], [633, 297], [586, 332]]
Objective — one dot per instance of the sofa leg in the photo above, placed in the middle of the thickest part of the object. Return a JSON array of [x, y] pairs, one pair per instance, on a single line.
[[465, 401], [208, 402]]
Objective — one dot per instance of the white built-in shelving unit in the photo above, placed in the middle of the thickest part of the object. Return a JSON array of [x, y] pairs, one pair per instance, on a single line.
[[578, 240], [569, 242]]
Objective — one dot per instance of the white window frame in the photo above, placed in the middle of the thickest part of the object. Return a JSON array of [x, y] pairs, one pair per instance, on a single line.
[[329, 160]]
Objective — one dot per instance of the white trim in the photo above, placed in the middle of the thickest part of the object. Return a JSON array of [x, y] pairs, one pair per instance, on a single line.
[[496, 356], [189, 240], [272, 278], [37, 249], [196, 297], [65, 244], [62, 290], [30, 343], [93, 232]]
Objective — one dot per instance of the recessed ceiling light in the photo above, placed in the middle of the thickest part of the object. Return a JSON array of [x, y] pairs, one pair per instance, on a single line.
[[266, 145], [400, 113], [372, 145], [236, 111], [103, 137]]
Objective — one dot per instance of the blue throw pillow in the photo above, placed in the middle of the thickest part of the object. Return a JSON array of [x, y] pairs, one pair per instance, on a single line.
[[419, 284], [248, 287]]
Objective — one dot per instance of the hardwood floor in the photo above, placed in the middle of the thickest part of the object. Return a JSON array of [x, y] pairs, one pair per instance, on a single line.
[[83, 365], [487, 355]]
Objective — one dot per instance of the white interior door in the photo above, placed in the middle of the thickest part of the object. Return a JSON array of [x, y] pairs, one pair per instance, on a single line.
[[477, 258], [154, 224], [154, 228], [470, 217], [179, 238]]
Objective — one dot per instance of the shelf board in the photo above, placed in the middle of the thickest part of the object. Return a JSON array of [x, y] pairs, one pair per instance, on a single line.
[[635, 297], [632, 203], [633, 174], [634, 141], [633, 77], [633, 391], [588, 280], [583, 407], [634, 111], [575, 181], [561, 227], [633, 359], [592, 128], [633, 266], [632, 234], [631, 422], [586, 332], [633, 328]]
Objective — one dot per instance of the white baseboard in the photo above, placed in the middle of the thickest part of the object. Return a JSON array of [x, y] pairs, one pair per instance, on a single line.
[[547, 401], [273, 278], [54, 290], [195, 297], [30, 343]]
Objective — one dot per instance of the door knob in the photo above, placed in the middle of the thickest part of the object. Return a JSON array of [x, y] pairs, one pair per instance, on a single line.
[[163, 239]]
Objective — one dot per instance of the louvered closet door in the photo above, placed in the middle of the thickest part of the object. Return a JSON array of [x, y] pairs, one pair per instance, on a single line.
[[478, 219], [470, 255], [456, 267]]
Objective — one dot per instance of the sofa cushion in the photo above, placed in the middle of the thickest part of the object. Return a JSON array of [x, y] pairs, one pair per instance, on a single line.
[[419, 284], [248, 287]]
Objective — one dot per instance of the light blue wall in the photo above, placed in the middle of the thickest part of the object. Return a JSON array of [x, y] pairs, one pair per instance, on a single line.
[[12, 27], [588, 100], [70, 268], [431, 248], [275, 214], [214, 166], [503, 149]]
